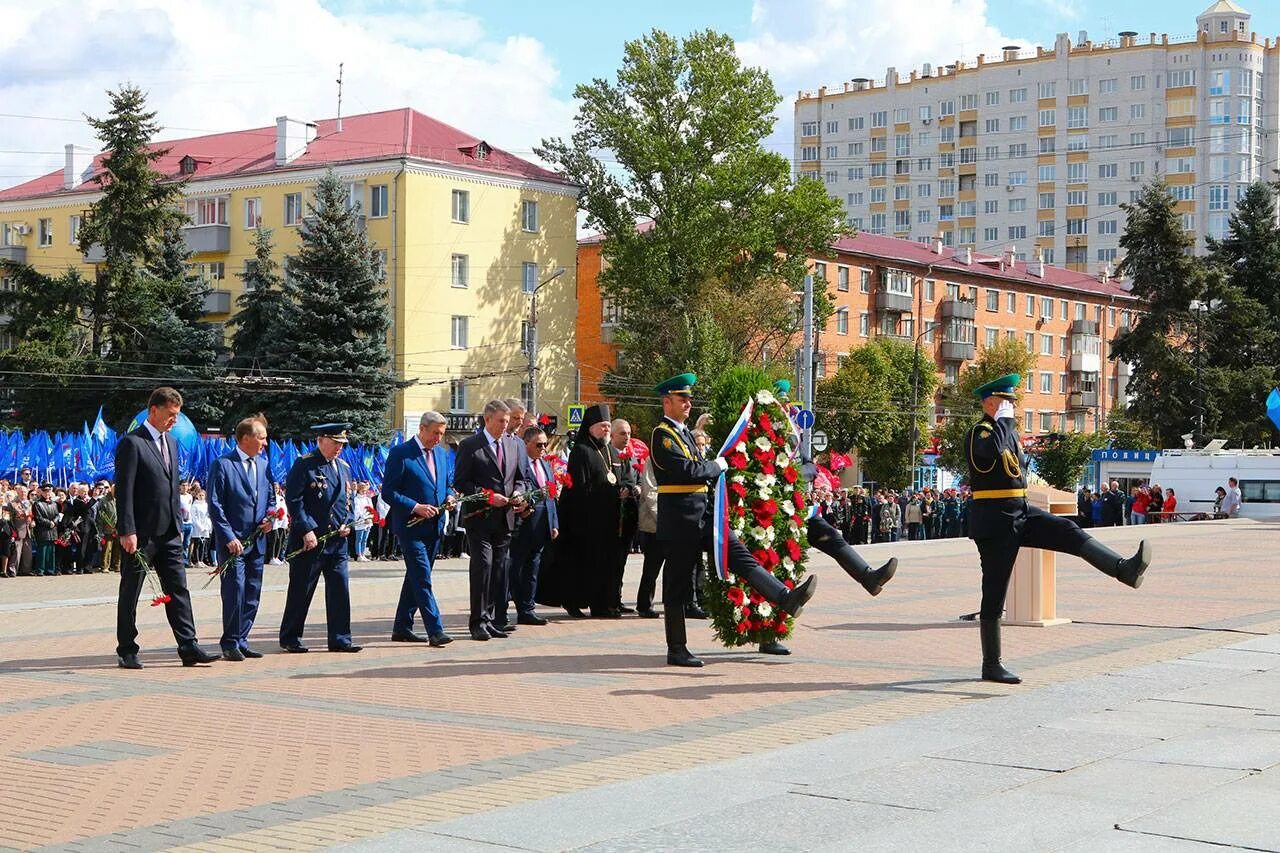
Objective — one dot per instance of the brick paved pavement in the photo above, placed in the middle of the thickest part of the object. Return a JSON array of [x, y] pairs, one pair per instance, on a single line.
[[308, 751]]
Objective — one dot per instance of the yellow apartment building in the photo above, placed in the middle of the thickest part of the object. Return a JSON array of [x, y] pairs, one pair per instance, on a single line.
[[467, 231]]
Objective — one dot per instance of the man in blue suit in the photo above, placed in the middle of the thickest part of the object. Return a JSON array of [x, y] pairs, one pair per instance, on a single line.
[[417, 484], [316, 494], [240, 495], [539, 524]]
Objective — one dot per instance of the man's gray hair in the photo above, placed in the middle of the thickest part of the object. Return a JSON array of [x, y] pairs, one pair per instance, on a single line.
[[618, 422], [429, 418], [494, 406], [512, 403]]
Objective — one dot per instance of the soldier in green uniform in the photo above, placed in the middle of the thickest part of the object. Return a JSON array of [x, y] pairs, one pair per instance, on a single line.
[[684, 522], [1001, 521]]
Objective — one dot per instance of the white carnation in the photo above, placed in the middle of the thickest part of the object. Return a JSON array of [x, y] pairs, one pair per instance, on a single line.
[[761, 533], [770, 534], [765, 398], [739, 478], [788, 564], [739, 613], [783, 460], [766, 481], [741, 447], [764, 609], [764, 443], [788, 508]]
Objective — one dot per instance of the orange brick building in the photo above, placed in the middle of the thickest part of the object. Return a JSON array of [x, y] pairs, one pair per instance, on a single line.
[[955, 301]]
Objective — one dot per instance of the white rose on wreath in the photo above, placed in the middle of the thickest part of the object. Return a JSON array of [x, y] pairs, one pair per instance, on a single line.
[[770, 534], [761, 533], [788, 509], [764, 398], [764, 443]]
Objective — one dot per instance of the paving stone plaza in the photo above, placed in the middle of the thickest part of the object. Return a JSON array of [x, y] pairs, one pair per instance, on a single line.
[[1151, 722]]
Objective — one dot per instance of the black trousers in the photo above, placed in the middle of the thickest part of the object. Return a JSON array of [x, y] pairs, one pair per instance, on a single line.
[[1031, 527], [654, 554], [677, 578], [488, 541], [165, 556]]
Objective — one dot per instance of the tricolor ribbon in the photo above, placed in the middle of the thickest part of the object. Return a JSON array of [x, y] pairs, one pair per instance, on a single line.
[[720, 504]]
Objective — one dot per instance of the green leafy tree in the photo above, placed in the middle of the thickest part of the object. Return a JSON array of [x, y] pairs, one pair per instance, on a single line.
[[1163, 274], [330, 358], [1127, 432], [261, 325], [867, 404], [1060, 458], [732, 390], [962, 409], [708, 280]]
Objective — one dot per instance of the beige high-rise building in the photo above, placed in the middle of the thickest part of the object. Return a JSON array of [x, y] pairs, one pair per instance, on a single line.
[[1038, 149]]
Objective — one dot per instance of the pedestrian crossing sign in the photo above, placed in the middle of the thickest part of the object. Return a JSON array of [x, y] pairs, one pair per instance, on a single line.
[[574, 415]]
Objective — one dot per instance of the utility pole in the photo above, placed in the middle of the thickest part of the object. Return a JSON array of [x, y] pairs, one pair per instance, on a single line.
[[339, 82], [531, 343], [805, 376]]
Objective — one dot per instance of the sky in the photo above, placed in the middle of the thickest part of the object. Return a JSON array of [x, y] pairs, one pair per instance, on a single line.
[[503, 70]]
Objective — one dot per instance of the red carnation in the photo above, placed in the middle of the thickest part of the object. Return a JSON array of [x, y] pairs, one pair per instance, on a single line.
[[743, 627], [756, 598], [789, 474], [789, 583], [160, 599], [765, 422], [767, 468], [738, 489], [736, 595], [762, 557], [793, 550], [798, 500], [738, 461], [489, 495]]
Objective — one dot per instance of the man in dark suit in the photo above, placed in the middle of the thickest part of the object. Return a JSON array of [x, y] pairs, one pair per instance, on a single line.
[[628, 509], [318, 498], [417, 484], [147, 519], [240, 495], [490, 459], [539, 524]]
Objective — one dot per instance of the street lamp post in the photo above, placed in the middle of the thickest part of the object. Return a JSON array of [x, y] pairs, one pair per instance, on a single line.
[[1199, 307], [532, 343]]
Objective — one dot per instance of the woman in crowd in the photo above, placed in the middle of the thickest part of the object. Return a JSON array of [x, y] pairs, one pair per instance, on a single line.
[[362, 509], [279, 530], [6, 538], [1157, 503], [201, 530], [1170, 504], [914, 518], [1141, 500]]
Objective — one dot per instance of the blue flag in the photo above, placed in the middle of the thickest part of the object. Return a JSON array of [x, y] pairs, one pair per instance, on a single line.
[[1273, 406]]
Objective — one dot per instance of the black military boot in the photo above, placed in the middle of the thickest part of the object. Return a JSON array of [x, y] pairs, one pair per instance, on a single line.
[[872, 580], [1127, 570], [991, 668], [773, 647], [678, 653]]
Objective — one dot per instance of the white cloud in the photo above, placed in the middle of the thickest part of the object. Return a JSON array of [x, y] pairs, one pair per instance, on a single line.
[[213, 65], [805, 46]]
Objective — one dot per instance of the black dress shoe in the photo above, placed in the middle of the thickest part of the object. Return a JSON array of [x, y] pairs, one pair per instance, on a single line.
[[479, 634], [232, 654], [530, 619], [407, 637], [295, 647], [575, 612], [441, 640], [250, 653], [693, 611], [682, 657], [506, 628], [773, 647], [349, 648], [622, 608], [193, 655], [647, 613], [492, 631], [129, 661]]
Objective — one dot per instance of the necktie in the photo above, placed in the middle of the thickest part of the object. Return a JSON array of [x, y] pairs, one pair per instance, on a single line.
[[253, 479], [431, 463], [538, 475], [497, 446], [164, 453]]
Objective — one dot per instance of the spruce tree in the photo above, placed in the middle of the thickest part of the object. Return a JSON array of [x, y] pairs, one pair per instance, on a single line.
[[1159, 346], [262, 324], [334, 349]]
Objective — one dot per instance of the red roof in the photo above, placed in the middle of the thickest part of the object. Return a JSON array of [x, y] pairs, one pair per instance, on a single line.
[[882, 248], [371, 136]]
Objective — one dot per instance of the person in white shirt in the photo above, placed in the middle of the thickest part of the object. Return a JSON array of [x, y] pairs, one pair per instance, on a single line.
[[362, 505], [184, 504], [1231, 503]]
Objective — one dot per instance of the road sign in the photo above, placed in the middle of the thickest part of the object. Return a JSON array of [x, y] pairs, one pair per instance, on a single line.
[[574, 415], [805, 419], [818, 439]]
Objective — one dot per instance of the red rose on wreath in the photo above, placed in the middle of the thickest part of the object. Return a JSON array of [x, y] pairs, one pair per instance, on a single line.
[[789, 474], [756, 598], [793, 550], [736, 595], [743, 627]]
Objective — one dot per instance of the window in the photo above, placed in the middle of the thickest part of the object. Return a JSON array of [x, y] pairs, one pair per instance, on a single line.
[[1137, 82], [924, 164], [992, 125], [1137, 168], [992, 337], [207, 211], [1011, 302], [1046, 313], [457, 395], [967, 235], [459, 271], [833, 127], [292, 208], [947, 108], [1077, 142], [1017, 150], [991, 207], [1018, 178], [1046, 383], [864, 281], [73, 228], [842, 279], [1106, 255], [1017, 205], [378, 201], [458, 332], [1046, 343], [1077, 173], [1028, 421], [902, 144], [1017, 123], [1108, 170], [924, 190], [880, 118], [1047, 201], [528, 215], [461, 206], [946, 212], [252, 212], [1219, 197], [864, 324], [1029, 340], [807, 152], [1185, 77], [1137, 139], [993, 300], [856, 123], [808, 128], [1046, 421], [930, 287], [1077, 226], [1047, 90], [1046, 174], [1049, 144], [1077, 197], [1046, 228], [1017, 232], [1107, 87], [924, 215], [969, 102], [833, 151], [926, 112], [900, 115], [993, 99], [528, 277], [842, 321], [1108, 114], [902, 220], [1079, 116], [879, 194], [1048, 118], [1107, 199], [1108, 226], [991, 179], [1017, 96], [45, 230], [1031, 310], [947, 134]]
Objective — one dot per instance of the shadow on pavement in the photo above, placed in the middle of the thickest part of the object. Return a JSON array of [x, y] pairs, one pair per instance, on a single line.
[[893, 626], [599, 664], [696, 692]]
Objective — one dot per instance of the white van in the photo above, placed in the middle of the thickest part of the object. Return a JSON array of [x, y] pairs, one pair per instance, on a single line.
[[1194, 476]]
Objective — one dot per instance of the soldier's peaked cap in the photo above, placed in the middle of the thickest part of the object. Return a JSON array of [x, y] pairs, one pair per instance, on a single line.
[[335, 431], [1005, 386], [682, 384]]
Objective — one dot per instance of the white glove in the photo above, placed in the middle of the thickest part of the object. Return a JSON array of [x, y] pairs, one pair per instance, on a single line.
[[1005, 410], [722, 463]]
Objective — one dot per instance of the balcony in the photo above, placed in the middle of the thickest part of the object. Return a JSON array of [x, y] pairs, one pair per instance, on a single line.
[[957, 351], [959, 308], [1085, 362], [202, 239], [217, 302], [1082, 400], [14, 254], [97, 254], [894, 303], [1084, 327]]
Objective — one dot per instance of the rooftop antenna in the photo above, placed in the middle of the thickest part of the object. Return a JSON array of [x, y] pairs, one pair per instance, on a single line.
[[339, 81]]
